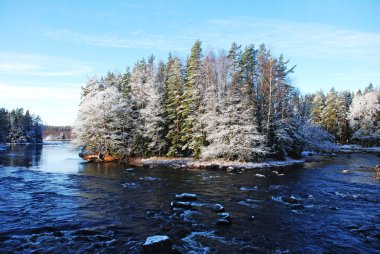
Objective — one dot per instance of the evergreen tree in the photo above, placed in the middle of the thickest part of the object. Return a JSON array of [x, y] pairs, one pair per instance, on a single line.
[[4, 125], [343, 128], [173, 106], [191, 110], [318, 106], [330, 112]]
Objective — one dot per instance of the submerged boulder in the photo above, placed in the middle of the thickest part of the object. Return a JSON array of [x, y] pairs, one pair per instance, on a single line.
[[186, 197], [224, 219], [218, 208], [157, 244], [289, 200]]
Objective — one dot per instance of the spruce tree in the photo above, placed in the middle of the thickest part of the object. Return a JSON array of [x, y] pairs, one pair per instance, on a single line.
[[330, 112], [173, 103], [318, 106], [191, 110]]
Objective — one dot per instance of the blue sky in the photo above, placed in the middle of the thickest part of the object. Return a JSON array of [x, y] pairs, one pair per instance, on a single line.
[[48, 49]]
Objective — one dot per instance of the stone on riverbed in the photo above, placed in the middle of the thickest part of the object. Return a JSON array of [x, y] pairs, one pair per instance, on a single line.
[[186, 197], [180, 204], [260, 175], [157, 244], [224, 219], [218, 208], [230, 169], [289, 200]]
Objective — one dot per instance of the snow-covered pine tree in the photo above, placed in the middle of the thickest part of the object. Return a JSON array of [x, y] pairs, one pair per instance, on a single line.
[[147, 113], [236, 137], [215, 99], [101, 121], [152, 114], [364, 117]]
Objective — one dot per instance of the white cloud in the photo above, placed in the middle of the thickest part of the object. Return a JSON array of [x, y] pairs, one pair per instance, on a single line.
[[55, 105], [306, 40], [39, 65], [136, 39]]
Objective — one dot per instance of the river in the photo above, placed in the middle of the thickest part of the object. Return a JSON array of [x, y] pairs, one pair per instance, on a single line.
[[53, 202]]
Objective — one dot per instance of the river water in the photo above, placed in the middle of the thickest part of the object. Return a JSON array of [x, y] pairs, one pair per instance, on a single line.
[[53, 202]]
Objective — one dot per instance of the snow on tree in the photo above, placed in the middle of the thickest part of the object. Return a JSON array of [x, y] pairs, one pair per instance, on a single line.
[[101, 122], [316, 138], [241, 106], [152, 114], [19, 127], [364, 116], [235, 135], [146, 112]]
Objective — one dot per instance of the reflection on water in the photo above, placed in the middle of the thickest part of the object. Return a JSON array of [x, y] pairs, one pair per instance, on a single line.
[[28, 155], [53, 202]]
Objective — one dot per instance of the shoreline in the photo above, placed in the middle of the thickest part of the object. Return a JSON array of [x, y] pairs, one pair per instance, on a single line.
[[216, 164], [352, 148]]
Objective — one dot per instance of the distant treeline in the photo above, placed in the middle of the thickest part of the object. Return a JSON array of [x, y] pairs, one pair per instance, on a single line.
[[17, 126], [56, 132]]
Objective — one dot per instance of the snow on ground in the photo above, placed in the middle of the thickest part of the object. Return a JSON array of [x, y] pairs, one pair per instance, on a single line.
[[214, 164], [358, 148]]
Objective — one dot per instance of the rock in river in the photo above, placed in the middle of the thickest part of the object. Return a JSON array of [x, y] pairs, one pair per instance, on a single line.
[[180, 204], [218, 208], [186, 197], [289, 200], [157, 244], [224, 219]]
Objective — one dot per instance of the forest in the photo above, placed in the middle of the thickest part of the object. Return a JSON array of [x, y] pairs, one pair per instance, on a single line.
[[238, 104], [19, 127], [56, 132]]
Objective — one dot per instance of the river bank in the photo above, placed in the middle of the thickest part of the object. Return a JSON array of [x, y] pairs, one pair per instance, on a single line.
[[351, 148], [215, 164]]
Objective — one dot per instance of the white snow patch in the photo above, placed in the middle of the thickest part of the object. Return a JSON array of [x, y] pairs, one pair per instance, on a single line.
[[358, 148]]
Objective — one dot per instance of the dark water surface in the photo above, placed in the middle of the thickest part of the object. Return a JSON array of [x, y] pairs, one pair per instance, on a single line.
[[52, 202]]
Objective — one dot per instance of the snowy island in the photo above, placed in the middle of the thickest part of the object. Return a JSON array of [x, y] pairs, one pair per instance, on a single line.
[[237, 109]]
